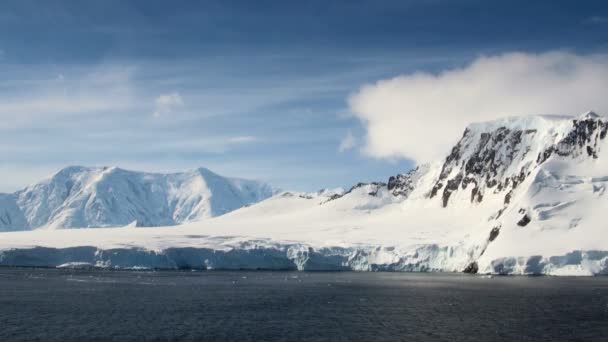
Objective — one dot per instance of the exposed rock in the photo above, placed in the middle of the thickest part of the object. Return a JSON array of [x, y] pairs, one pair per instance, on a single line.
[[403, 184], [494, 233], [495, 157], [583, 137], [524, 221], [333, 197], [471, 268], [508, 197], [488, 155], [373, 191], [451, 187]]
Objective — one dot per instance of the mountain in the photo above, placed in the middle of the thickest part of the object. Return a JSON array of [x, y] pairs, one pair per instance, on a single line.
[[77, 197], [523, 195]]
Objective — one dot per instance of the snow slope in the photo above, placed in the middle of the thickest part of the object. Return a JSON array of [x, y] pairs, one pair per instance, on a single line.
[[77, 197], [514, 196]]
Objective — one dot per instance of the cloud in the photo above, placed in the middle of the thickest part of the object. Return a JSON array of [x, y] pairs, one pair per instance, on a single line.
[[53, 97], [53, 115], [348, 142], [243, 139], [166, 103], [210, 144], [420, 115], [597, 19]]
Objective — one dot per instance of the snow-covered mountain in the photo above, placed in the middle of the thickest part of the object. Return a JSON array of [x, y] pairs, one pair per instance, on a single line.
[[77, 197], [523, 195]]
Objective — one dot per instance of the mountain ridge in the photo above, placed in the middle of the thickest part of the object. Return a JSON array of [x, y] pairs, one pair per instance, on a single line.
[[80, 196]]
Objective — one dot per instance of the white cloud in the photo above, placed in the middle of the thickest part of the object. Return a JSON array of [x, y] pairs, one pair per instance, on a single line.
[[348, 142], [420, 115], [243, 139], [166, 103]]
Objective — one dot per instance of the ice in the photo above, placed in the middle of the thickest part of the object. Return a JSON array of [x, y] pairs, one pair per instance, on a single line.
[[457, 214]]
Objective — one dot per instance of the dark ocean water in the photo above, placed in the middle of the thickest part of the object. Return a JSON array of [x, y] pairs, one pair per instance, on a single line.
[[87, 305]]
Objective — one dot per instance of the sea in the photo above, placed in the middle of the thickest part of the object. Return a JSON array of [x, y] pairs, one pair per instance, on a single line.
[[109, 305]]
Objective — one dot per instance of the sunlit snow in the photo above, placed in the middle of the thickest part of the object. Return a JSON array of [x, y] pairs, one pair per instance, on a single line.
[[514, 196]]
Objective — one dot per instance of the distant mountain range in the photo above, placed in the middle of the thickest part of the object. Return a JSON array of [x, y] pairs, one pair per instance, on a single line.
[[78, 197]]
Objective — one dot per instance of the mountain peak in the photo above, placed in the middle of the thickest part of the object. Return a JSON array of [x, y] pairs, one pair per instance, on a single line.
[[590, 115], [103, 196], [539, 122], [206, 172], [71, 169], [79, 169], [495, 157]]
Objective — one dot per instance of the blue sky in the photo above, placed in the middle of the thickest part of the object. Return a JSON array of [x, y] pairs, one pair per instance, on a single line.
[[257, 89]]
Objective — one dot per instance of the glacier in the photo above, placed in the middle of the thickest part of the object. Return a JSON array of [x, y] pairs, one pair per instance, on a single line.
[[522, 195]]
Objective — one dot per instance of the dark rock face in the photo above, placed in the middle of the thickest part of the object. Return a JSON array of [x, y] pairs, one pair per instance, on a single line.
[[485, 164], [451, 187], [374, 189], [334, 197], [451, 161], [584, 136], [494, 234], [524, 221], [471, 268], [403, 184], [400, 185], [582, 139], [508, 197], [480, 160], [492, 161], [435, 189]]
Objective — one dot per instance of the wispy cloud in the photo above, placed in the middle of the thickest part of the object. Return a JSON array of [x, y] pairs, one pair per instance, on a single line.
[[56, 115], [188, 111], [348, 142], [597, 19], [167, 103], [244, 139], [24, 101]]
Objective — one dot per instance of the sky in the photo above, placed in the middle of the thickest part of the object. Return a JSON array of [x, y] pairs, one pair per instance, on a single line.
[[302, 94]]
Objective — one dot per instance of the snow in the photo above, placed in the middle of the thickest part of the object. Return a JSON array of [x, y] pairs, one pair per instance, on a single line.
[[77, 197], [369, 228]]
